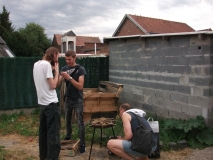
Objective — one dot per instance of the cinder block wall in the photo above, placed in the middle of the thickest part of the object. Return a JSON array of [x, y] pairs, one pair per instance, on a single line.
[[171, 77]]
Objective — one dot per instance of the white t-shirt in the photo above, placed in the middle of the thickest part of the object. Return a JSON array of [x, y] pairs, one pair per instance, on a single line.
[[41, 71]]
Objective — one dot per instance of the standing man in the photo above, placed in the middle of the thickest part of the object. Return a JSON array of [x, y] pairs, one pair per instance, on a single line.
[[74, 78], [122, 145], [45, 83]]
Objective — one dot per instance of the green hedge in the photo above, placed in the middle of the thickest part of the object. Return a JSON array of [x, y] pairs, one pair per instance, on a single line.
[[17, 89]]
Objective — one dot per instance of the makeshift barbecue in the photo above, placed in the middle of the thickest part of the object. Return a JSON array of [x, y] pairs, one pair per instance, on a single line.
[[102, 121]]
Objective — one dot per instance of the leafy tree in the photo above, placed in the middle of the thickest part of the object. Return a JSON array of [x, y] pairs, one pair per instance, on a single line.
[[30, 41], [6, 27]]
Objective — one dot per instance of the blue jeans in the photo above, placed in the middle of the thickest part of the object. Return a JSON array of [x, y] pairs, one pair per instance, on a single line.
[[127, 148], [76, 105], [49, 128]]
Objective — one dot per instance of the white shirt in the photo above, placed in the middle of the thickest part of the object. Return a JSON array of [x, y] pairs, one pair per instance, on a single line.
[[138, 112], [42, 70]]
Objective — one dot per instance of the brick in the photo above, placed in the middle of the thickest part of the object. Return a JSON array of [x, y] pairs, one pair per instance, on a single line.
[[140, 68], [181, 69], [196, 70], [177, 115], [156, 77], [161, 111], [184, 108], [147, 99], [140, 83], [199, 60], [184, 80], [137, 104], [171, 105], [166, 69], [147, 107], [204, 81], [171, 79], [180, 41], [149, 92], [179, 97], [155, 52], [158, 102], [193, 50], [161, 60], [135, 47], [162, 94], [174, 51], [177, 60], [194, 110], [208, 92], [198, 101], [182, 89], [152, 69], [161, 86], [208, 70], [196, 91], [143, 76]]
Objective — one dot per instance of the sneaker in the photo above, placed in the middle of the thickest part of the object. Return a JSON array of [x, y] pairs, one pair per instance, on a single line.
[[67, 138], [82, 148]]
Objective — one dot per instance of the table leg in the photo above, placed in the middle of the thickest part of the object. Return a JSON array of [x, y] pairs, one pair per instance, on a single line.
[[91, 143], [113, 131], [101, 138]]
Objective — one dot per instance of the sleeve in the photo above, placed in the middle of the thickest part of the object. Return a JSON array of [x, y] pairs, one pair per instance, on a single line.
[[48, 70], [82, 71]]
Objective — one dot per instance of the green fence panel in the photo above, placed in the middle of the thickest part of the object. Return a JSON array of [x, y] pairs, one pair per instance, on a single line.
[[17, 89]]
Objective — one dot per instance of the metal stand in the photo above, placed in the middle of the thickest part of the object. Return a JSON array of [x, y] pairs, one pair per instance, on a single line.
[[101, 127]]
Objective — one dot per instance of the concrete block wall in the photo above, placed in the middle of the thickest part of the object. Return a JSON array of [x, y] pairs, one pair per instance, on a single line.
[[172, 78]]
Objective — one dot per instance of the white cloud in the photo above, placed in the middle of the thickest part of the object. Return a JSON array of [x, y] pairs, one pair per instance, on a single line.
[[101, 18]]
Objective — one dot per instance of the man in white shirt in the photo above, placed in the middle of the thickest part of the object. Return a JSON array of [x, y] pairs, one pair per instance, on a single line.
[[45, 83]]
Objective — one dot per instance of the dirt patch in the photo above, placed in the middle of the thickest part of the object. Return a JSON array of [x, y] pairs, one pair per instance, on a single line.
[[22, 148]]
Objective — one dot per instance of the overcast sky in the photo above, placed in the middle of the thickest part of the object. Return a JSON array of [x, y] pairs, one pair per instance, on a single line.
[[101, 17]]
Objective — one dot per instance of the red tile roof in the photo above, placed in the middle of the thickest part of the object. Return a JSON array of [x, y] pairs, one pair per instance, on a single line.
[[152, 25], [80, 40], [58, 38]]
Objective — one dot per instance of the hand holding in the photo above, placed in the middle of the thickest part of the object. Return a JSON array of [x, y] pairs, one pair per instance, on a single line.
[[65, 75]]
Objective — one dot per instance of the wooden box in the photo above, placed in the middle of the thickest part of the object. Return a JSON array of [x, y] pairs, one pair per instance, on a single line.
[[69, 147], [102, 99]]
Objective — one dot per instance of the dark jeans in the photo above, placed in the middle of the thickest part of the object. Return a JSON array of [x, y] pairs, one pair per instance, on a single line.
[[77, 106], [49, 128]]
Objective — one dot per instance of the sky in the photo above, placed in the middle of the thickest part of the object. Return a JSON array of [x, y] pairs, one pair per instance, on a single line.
[[100, 18]]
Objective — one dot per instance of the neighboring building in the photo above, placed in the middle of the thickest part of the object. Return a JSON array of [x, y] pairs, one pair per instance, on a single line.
[[80, 44], [5, 50], [170, 75], [138, 25]]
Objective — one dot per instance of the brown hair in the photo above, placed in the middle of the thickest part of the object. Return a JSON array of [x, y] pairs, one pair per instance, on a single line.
[[126, 106], [49, 54], [70, 53]]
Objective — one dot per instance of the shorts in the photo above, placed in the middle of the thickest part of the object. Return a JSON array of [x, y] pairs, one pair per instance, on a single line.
[[127, 148]]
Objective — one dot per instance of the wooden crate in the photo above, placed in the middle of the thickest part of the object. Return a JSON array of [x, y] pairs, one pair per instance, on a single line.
[[69, 147], [101, 99], [104, 98]]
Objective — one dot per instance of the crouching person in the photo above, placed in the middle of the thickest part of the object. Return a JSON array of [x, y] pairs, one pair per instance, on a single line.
[[122, 145]]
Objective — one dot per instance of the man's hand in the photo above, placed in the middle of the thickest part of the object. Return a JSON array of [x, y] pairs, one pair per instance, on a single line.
[[65, 75], [55, 67]]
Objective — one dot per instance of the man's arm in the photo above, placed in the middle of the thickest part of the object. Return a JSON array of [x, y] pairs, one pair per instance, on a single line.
[[126, 118], [59, 80], [53, 81], [79, 85]]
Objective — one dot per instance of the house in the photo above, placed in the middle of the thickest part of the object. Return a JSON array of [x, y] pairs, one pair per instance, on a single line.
[[80, 44], [5, 50], [139, 25]]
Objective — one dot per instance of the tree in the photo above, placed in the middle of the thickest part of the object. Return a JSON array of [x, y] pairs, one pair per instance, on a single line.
[[30, 41], [6, 27]]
